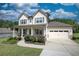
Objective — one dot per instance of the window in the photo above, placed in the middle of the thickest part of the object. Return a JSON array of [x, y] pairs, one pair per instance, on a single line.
[[60, 31], [51, 30], [66, 31], [39, 20], [30, 20], [29, 31], [55, 31], [24, 21], [38, 31]]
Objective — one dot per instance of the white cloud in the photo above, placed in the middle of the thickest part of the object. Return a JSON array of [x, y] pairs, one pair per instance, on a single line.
[[5, 5], [34, 5], [31, 11], [46, 10], [20, 4], [27, 5], [77, 5], [20, 7], [60, 13], [9, 14], [13, 14], [67, 4]]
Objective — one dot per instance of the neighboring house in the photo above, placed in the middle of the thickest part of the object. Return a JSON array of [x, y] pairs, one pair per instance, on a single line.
[[5, 32], [38, 25]]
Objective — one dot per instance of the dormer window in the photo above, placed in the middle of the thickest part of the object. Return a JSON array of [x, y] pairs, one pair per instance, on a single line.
[[39, 20], [23, 21], [30, 20]]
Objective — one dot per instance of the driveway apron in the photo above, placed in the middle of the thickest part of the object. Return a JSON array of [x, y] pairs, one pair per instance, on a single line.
[[60, 47]]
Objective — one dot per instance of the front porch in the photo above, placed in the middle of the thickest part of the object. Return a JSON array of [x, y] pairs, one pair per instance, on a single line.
[[31, 30]]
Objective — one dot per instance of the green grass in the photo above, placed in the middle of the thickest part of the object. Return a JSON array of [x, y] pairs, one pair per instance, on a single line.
[[77, 40], [76, 35], [14, 50], [10, 40], [3, 39]]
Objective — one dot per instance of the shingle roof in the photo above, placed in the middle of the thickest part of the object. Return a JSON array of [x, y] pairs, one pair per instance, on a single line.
[[58, 24], [23, 13], [31, 16]]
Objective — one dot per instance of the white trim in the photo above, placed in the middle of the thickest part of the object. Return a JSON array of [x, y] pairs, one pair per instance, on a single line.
[[27, 31], [31, 31], [13, 32], [21, 32]]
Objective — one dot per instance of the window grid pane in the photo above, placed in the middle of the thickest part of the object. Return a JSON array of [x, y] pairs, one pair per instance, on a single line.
[[39, 20], [24, 21]]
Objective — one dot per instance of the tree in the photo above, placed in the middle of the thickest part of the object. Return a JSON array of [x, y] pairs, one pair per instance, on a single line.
[[7, 24]]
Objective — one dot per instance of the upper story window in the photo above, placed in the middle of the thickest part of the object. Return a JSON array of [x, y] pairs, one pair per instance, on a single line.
[[30, 20], [39, 20], [23, 21]]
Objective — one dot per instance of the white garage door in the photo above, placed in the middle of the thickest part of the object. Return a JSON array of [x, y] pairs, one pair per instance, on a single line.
[[58, 34]]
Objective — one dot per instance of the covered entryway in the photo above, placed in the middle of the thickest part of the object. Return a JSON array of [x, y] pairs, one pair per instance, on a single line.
[[58, 34], [32, 30]]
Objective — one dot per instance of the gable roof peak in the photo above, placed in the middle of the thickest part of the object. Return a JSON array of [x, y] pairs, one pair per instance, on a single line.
[[24, 13], [39, 10]]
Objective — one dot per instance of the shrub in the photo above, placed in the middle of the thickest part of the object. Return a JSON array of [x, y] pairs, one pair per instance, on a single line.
[[27, 38], [39, 39], [18, 38], [33, 38], [12, 41], [74, 38]]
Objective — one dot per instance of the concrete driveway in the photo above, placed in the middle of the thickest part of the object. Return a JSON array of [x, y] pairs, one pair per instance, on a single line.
[[60, 47]]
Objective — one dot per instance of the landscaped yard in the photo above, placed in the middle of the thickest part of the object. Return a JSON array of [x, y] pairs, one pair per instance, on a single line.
[[76, 35], [14, 50], [2, 39]]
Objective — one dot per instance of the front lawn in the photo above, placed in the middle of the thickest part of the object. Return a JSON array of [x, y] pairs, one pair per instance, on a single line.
[[14, 50], [76, 36], [2, 39]]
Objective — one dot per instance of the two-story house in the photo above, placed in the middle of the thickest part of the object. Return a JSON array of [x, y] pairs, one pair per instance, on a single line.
[[38, 24]]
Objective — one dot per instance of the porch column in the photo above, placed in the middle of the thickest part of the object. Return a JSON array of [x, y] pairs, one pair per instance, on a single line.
[[22, 32], [19, 32], [71, 33], [47, 35], [31, 31], [13, 32], [27, 31], [44, 31]]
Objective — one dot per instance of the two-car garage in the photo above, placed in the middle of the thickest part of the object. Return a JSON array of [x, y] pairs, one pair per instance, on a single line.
[[58, 30], [58, 34]]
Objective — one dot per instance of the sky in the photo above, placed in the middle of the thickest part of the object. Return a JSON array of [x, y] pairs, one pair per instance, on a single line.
[[11, 11]]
